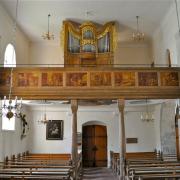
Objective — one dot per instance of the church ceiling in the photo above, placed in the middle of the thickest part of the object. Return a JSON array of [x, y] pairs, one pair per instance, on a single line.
[[32, 15]]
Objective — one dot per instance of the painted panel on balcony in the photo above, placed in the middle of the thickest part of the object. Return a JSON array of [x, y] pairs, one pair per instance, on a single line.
[[169, 79], [124, 78], [76, 79], [27, 79], [4, 79], [100, 79], [148, 79], [52, 79]]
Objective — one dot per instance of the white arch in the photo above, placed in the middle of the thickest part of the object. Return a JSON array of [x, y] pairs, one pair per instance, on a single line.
[[95, 122], [10, 56]]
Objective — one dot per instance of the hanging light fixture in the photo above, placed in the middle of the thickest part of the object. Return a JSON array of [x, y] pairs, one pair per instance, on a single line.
[[48, 35], [12, 108], [138, 36], [147, 116], [44, 119]]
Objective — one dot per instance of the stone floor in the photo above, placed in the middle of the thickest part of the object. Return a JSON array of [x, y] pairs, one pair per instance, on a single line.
[[98, 174]]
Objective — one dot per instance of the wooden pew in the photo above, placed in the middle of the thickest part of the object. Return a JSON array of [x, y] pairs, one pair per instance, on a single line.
[[39, 177], [141, 155], [144, 169], [154, 172], [159, 176], [38, 166], [147, 165], [31, 173], [138, 156]]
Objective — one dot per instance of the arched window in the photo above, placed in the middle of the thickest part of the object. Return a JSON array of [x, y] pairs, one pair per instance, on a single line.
[[9, 61], [10, 56]]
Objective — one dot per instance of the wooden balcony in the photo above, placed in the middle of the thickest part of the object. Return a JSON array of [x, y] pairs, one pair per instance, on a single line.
[[91, 83]]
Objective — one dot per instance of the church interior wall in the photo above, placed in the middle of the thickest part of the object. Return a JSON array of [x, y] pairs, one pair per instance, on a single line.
[[10, 141], [143, 131], [46, 53], [37, 139], [148, 134], [167, 127], [166, 37], [133, 53], [7, 35], [135, 128], [157, 114], [126, 53]]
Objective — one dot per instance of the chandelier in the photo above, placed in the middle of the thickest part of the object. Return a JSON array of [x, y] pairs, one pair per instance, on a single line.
[[44, 119], [48, 35], [138, 36], [147, 116], [11, 108]]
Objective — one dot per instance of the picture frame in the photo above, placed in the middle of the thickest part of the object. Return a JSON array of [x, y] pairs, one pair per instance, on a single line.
[[54, 130], [131, 140]]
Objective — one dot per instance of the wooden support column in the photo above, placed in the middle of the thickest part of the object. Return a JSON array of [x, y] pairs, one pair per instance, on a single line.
[[121, 104], [74, 108]]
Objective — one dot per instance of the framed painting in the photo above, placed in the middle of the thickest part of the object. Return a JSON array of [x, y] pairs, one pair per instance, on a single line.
[[76, 79], [124, 78], [4, 79], [27, 79], [52, 79], [169, 78], [148, 78], [100, 79], [54, 130]]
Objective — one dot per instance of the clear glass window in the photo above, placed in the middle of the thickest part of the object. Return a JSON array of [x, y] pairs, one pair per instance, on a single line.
[[10, 56]]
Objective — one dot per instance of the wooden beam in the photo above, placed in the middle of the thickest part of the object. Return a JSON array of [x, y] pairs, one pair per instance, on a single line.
[[74, 108]]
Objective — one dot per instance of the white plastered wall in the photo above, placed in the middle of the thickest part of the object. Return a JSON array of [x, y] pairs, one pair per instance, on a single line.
[[133, 53], [46, 53], [7, 36], [11, 142], [167, 37], [107, 115]]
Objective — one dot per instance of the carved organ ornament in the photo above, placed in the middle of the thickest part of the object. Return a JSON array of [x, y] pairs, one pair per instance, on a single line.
[[88, 43]]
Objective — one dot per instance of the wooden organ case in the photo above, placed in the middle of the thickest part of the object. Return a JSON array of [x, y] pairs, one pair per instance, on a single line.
[[88, 44]]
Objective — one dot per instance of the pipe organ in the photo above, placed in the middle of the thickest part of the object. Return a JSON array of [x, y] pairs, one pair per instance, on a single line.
[[88, 44]]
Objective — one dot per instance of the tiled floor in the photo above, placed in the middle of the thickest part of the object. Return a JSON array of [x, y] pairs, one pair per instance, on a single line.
[[98, 174]]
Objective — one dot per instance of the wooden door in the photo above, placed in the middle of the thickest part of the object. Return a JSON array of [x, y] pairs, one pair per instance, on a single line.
[[94, 146]]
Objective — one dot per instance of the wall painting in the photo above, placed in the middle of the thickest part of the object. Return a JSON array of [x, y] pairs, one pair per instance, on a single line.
[[100, 79], [148, 79], [52, 79], [76, 79], [27, 79], [4, 79], [169, 79], [124, 78]]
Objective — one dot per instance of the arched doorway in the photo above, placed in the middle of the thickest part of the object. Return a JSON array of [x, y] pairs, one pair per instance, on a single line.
[[94, 146]]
